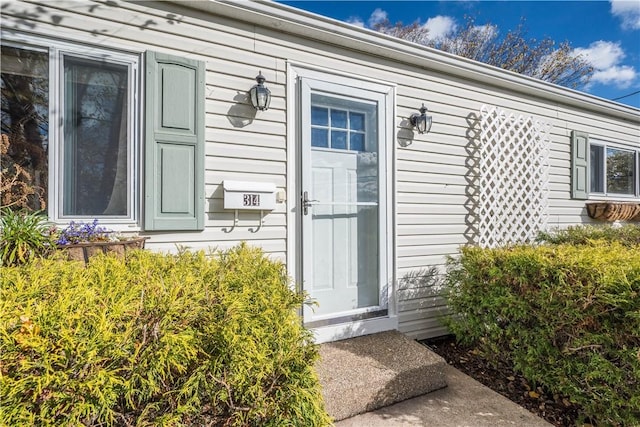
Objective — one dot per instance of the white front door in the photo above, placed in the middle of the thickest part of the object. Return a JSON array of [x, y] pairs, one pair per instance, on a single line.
[[343, 204]]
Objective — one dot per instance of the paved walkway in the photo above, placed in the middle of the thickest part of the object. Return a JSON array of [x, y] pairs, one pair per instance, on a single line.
[[464, 403]]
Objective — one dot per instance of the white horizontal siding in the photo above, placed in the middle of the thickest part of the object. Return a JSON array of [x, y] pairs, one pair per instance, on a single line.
[[217, 177], [434, 176]]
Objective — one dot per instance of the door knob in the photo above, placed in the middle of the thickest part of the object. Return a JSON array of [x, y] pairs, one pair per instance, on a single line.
[[306, 202]]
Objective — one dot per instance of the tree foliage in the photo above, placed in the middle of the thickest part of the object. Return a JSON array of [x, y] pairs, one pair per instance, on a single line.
[[542, 59]]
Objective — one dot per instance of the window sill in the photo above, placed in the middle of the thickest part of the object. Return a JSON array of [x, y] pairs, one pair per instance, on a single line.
[[123, 227], [614, 211]]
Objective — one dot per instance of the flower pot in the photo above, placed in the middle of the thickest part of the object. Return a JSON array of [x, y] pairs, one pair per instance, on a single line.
[[614, 211], [84, 251]]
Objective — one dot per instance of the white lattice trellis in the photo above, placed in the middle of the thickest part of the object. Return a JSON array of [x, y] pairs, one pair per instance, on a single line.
[[513, 177]]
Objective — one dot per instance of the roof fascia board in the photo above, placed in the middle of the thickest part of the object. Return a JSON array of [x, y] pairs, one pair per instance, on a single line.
[[287, 19]]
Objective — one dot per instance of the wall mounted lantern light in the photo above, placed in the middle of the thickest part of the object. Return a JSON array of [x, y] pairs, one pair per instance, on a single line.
[[260, 95], [421, 121]]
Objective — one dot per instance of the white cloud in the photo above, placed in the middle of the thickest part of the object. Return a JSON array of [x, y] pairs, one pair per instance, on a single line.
[[606, 58], [602, 54], [622, 76], [355, 20], [378, 16], [628, 11], [440, 26]]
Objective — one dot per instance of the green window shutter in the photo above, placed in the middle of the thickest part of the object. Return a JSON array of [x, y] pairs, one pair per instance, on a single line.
[[579, 165], [174, 143]]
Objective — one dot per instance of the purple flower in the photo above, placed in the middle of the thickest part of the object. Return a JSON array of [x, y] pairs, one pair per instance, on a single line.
[[78, 232]]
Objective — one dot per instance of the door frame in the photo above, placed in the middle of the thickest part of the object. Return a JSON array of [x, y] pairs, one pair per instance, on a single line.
[[296, 71]]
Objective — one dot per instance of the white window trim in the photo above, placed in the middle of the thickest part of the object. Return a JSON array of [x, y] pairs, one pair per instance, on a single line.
[[57, 49], [615, 196]]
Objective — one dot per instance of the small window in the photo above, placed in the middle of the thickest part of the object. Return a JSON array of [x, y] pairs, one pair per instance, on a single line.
[[614, 170]]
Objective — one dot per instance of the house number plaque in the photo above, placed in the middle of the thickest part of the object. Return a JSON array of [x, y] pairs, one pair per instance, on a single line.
[[251, 200], [256, 196]]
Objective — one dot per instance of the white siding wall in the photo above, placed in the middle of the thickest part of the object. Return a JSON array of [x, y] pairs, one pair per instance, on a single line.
[[433, 173]]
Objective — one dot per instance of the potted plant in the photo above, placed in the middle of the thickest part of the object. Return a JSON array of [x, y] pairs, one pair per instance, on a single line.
[[80, 241]]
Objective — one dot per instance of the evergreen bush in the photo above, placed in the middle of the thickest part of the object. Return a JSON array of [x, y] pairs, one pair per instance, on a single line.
[[157, 339], [627, 235], [566, 316]]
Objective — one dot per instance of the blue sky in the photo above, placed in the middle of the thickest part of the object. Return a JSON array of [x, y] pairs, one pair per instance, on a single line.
[[607, 33]]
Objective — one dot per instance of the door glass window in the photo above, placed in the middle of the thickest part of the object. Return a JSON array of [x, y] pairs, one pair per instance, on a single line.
[[345, 219], [340, 124], [356, 131]]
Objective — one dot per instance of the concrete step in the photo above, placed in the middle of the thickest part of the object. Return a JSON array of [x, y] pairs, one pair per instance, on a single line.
[[366, 373]]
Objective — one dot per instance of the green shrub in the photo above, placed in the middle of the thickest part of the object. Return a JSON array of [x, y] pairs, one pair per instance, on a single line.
[[567, 317], [155, 340], [627, 235], [24, 236]]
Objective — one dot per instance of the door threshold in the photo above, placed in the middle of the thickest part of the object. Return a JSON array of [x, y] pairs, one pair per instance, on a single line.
[[330, 333], [346, 319]]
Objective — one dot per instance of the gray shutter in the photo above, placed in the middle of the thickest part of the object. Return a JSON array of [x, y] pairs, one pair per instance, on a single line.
[[579, 165], [174, 143]]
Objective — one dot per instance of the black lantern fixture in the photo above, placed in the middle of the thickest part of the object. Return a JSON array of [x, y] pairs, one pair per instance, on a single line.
[[421, 121], [260, 95]]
